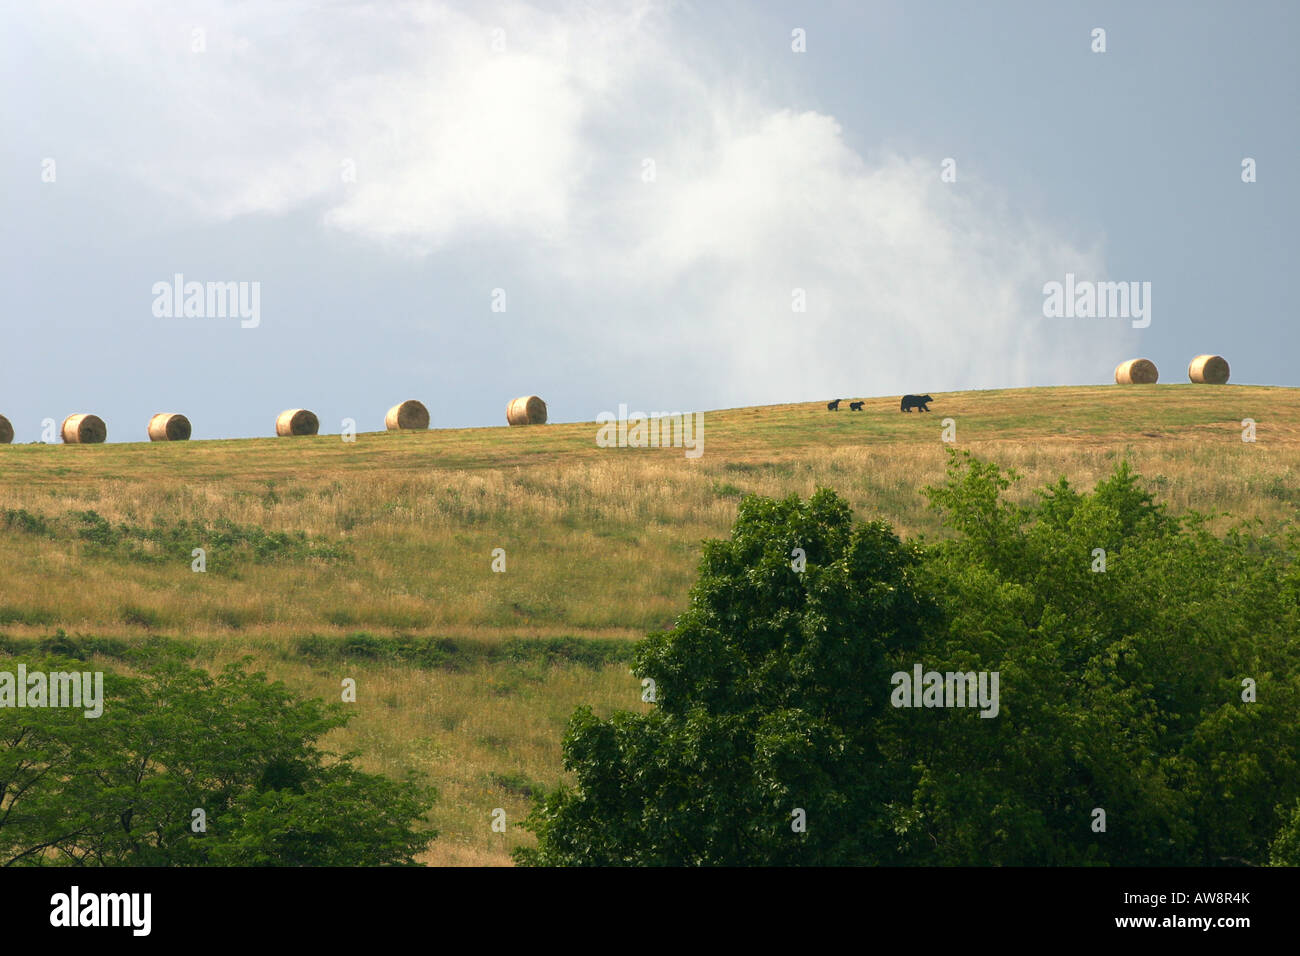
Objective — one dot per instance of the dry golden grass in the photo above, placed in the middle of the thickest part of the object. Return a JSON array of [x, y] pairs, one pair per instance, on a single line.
[[598, 541]]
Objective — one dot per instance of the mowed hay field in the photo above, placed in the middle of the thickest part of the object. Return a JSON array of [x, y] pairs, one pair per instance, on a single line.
[[373, 559]]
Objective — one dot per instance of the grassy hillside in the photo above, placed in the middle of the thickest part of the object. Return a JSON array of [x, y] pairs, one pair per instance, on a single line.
[[395, 532], [464, 673]]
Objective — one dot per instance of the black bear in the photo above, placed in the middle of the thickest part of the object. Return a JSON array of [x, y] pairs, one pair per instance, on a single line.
[[915, 401], [856, 406], [834, 406]]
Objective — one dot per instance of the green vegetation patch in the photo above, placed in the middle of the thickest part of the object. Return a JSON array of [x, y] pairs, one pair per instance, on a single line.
[[83, 648], [225, 543], [457, 654]]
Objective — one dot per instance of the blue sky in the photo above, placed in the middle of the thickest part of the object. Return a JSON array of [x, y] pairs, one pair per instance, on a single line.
[[505, 146]]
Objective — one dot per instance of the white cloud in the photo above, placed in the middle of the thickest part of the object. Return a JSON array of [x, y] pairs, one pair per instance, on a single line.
[[911, 283]]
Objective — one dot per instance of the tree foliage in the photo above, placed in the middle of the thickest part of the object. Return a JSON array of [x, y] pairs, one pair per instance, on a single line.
[[1122, 690], [769, 691], [120, 789]]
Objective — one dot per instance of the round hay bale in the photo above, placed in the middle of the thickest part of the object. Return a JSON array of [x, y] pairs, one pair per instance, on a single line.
[[1136, 372], [169, 426], [84, 430], [1208, 370], [528, 410], [297, 421], [6, 431], [408, 415]]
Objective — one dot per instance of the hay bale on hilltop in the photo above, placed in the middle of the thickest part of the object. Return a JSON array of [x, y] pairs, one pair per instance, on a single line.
[[6, 431], [169, 426], [297, 421], [1137, 371], [528, 410], [84, 429], [1208, 370], [407, 416]]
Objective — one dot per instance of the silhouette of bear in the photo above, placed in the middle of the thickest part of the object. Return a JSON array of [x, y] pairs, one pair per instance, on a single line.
[[915, 401], [834, 406], [856, 406]]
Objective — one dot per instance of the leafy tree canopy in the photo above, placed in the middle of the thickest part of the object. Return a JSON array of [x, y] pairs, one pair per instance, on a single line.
[[1147, 670], [121, 789]]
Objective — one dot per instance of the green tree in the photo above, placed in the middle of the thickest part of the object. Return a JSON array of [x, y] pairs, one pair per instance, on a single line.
[[1148, 669], [769, 689], [120, 789], [1121, 690]]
